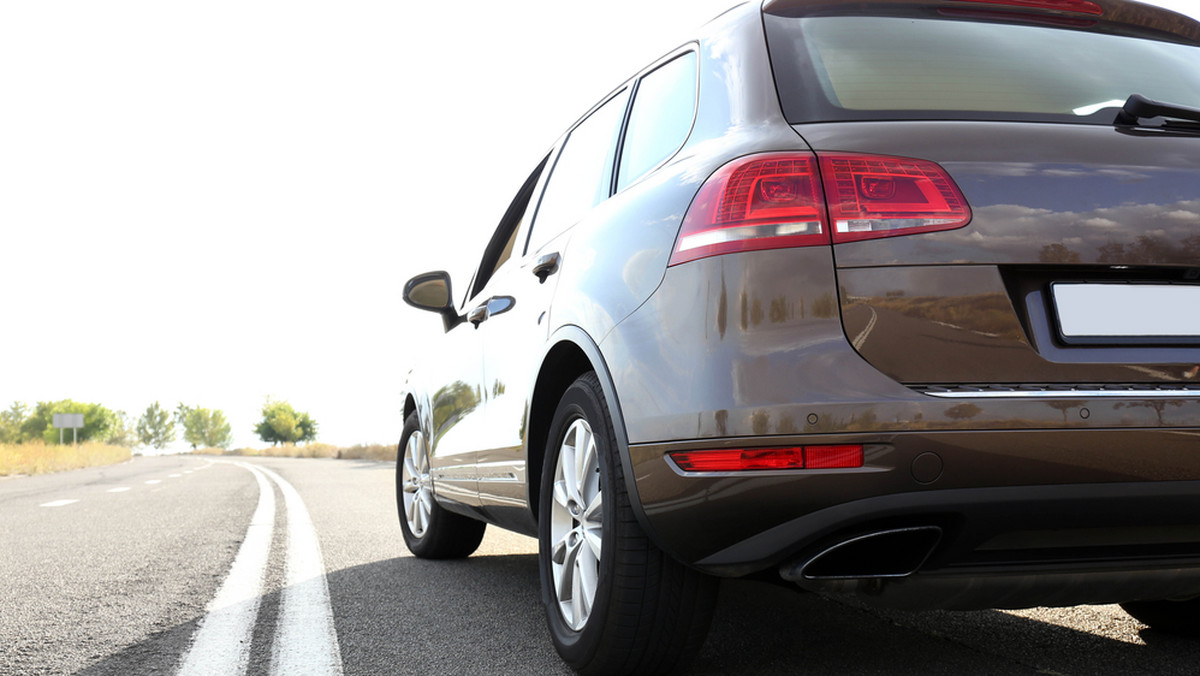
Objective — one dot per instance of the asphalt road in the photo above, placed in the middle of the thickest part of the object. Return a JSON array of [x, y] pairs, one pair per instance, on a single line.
[[122, 580]]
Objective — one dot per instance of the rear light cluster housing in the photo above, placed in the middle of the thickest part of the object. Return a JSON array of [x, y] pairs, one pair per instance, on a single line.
[[784, 200], [832, 456]]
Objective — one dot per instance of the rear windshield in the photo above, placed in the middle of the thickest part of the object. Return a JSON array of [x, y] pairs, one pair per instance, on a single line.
[[848, 68]]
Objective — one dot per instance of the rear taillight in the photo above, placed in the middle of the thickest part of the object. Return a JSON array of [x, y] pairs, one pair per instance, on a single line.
[[784, 200], [757, 202], [874, 196], [839, 456]]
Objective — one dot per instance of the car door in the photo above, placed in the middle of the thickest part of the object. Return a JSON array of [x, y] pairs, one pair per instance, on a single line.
[[519, 298]]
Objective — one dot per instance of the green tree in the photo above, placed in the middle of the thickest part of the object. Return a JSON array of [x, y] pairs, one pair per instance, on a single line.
[[99, 423], [282, 424], [204, 428], [155, 428], [123, 433], [11, 421]]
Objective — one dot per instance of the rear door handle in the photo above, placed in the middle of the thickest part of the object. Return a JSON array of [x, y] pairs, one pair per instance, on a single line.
[[546, 266]]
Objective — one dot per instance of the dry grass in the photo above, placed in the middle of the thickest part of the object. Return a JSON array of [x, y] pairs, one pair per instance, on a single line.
[[314, 450], [36, 457]]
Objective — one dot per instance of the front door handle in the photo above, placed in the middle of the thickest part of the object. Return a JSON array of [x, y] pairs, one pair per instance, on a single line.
[[478, 315], [546, 266]]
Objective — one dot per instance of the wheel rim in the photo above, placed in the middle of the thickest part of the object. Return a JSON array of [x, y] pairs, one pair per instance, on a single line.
[[418, 488], [576, 524]]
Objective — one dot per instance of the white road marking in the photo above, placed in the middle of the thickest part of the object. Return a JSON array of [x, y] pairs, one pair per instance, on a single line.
[[119, 489], [862, 337], [222, 643], [58, 503], [174, 476], [305, 639], [154, 481]]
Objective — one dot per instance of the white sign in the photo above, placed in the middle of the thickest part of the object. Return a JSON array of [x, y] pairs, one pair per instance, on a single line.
[[68, 420]]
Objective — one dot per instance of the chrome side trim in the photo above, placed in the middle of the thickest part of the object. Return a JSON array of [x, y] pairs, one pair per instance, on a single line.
[[1066, 394]]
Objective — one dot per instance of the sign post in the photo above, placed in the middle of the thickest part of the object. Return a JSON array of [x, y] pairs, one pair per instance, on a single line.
[[72, 420]]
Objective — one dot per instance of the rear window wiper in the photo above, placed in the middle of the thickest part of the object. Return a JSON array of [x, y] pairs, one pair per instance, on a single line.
[[1138, 107]]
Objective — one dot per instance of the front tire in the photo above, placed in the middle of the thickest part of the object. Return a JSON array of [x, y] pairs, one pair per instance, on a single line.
[[615, 603], [430, 532]]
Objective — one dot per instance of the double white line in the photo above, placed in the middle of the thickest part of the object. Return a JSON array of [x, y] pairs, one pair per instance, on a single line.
[[305, 641]]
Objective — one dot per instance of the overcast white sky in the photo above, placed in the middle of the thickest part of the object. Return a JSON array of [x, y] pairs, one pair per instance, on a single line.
[[216, 202]]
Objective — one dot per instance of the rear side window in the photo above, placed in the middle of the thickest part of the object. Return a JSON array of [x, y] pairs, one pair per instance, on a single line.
[[663, 108], [582, 175], [845, 68]]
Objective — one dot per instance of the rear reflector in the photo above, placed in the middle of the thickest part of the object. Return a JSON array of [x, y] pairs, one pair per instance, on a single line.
[[833, 457], [1077, 6], [785, 200], [839, 456]]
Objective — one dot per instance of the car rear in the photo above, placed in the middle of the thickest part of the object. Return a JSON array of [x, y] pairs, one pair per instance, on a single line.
[[946, 350]]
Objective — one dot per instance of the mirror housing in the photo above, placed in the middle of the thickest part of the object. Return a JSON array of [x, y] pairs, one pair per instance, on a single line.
[[431, 292]]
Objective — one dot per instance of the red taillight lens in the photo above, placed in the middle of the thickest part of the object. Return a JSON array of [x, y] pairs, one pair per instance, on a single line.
[[1078, 6], [760, 202], [781, 200], [872, 196], [842, 456]]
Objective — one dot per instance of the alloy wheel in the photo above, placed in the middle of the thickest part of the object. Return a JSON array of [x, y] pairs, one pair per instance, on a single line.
[[418, 487], [576, 525]]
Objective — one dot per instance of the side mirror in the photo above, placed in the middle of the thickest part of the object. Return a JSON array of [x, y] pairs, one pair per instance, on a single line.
[[431, 291]]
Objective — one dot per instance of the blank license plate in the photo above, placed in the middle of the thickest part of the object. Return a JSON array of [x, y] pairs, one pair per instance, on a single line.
[[1127, 313]]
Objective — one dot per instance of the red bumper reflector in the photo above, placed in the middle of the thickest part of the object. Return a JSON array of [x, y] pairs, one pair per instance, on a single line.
[[833, 457], [840, 456]]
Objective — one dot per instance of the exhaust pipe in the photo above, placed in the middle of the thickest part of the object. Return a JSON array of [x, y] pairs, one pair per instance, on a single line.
[[896, 552]]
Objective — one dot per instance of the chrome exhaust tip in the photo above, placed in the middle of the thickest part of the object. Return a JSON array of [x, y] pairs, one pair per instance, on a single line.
[[891, 553]]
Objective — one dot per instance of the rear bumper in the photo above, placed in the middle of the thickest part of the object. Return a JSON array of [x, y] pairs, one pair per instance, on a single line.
[[1024, 517], [977, 486]]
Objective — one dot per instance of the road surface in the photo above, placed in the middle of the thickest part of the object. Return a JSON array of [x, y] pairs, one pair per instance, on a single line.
[[156, 566]]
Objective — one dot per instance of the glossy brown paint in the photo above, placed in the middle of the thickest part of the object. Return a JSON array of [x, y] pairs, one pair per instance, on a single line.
[[968, 305], [959, 324]]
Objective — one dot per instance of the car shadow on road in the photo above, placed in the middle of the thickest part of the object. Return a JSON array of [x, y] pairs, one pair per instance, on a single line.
[[483, 615]]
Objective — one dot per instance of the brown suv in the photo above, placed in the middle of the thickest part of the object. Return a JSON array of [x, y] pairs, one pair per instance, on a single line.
[[898, 298]]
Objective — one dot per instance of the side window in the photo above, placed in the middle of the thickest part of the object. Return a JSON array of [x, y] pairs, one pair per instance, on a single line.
[[500, 247], [582, 176], [662, 114]]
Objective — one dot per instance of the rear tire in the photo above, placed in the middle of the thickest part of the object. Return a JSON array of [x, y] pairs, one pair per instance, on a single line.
[[615, 603], [430, 532], [1173, 617]]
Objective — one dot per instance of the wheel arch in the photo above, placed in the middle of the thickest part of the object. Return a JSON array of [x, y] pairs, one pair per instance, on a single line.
[[571, 352], [410, 405]]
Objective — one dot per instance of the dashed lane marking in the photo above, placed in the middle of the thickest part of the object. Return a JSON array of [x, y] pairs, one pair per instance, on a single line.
[[154, 481], [57, 503], [118, 489], [174, 476]]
